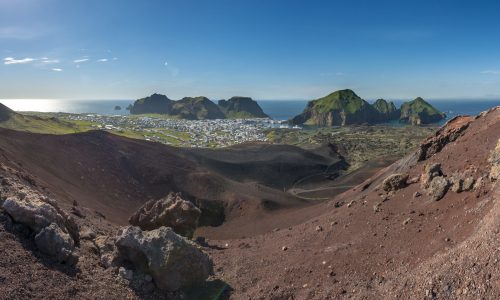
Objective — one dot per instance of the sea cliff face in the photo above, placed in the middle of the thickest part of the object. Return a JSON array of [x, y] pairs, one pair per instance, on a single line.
[[344, 107]]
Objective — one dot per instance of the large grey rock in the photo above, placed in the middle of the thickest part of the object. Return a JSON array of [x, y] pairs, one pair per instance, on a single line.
[[430, 171], [53, 241], [56, 232], [394, 182], [38, 212], [172, 211], [173, 261], [438, 188], [34, 213]]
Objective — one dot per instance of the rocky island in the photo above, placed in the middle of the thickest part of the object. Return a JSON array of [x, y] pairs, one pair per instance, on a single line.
[[241, 108], [344, 107], [199, 108]]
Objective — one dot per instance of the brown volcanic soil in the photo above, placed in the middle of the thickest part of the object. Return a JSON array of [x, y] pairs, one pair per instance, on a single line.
[[411, 248], [115, 175], [342, 248]]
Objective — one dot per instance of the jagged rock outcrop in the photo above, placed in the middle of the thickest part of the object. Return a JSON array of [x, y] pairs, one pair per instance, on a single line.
[[394, 182], [430, 171], [172, 211], [173, 261], [445, 135], [419, 112], [56, 232], [52, 240], [241, 108], [433, 181]]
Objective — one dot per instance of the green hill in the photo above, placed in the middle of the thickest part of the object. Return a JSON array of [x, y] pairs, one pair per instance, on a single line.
[[198, 108], [344, 107], [419, 112], [9, 119], [339, 108], [241, 108], [154, 104]]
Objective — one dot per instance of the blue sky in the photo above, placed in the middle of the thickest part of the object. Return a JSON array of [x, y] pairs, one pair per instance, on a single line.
[[124, 49]]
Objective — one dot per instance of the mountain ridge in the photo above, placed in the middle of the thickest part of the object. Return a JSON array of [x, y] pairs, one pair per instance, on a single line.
[[199, 108], [345, 107]]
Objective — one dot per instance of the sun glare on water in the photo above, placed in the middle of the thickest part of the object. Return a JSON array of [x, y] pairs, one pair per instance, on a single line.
[[42, 105]]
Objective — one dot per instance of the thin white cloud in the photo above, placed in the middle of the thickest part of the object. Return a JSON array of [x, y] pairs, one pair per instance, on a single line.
[[81, 60], [339, 74], [102, 60], [49, 61], [115, 58], [13, 61], [57, 70], [166, 64], [490, 72]]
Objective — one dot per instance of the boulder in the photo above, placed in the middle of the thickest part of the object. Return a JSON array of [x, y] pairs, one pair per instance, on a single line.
[[438, 188], [106, 247], [430, 171], [172, 211], [34, 213], [494, 159], [38, 212], [173, 261], [468, 184], [56, 232], [456, 184], [394, 182], [52, 241]]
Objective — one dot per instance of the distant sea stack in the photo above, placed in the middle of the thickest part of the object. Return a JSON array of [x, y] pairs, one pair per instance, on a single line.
[[241, 108], [199, 108], [344, 107]]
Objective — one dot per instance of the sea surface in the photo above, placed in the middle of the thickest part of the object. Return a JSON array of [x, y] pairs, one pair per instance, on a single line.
[[276, 109]]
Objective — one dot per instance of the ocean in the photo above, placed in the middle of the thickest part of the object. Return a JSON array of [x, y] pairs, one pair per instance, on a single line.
[[276, 109]]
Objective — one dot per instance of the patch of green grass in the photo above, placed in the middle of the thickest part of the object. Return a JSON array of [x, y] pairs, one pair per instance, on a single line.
[[37, 124]]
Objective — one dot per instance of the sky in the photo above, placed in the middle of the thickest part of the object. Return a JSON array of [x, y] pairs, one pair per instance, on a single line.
[[265, 49]]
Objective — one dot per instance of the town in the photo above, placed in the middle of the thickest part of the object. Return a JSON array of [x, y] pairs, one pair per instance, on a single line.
[[178, 132]]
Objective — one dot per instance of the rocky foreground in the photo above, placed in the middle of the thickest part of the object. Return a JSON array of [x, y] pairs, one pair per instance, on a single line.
[[426, 227]]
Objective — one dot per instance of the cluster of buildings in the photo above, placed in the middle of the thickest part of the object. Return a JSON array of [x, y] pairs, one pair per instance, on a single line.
[[188, 133]]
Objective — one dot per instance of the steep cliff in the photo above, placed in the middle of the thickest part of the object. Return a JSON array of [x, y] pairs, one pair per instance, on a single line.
[[154, 104]]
